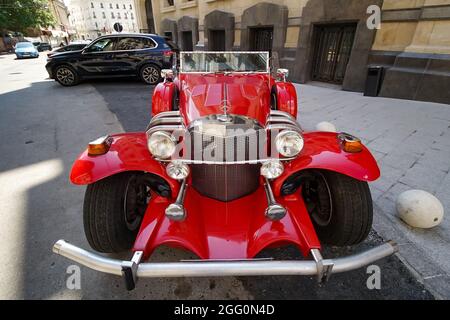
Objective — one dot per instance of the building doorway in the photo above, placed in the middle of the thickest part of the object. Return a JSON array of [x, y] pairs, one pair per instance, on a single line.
[[168, 35], [149, 14], [216, 40], [186, 41], [332, 49], [261, 39]]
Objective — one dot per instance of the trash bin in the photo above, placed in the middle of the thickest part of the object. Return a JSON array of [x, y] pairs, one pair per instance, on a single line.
[[374, 81]]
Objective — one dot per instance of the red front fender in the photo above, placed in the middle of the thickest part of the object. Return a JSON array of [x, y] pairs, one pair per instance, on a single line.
[[128, 152], [162, 97], [322, 150], [287, 98]]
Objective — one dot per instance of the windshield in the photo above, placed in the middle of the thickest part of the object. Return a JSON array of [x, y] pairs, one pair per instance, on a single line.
[[24, 45], [224, 61]]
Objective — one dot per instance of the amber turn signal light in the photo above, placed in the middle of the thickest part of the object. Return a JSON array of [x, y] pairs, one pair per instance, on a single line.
[[349, 143], [99, 146]]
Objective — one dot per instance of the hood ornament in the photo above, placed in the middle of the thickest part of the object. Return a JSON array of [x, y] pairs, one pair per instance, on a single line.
[[225, 117]]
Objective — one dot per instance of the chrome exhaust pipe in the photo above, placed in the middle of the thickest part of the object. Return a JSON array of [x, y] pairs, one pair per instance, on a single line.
[[211, 268]]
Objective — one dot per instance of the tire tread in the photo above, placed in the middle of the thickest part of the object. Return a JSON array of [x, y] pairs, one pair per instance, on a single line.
[[103, 218], [352, 211]]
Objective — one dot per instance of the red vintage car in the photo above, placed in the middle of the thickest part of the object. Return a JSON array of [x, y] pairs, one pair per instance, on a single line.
[[224, 170]]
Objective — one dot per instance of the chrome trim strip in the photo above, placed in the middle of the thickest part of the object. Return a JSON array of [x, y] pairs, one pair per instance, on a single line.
[[166, 114], [272, 119], [281, 113], [189, 161], [114, 51], [166, 120], [169, 128], [284, 127]]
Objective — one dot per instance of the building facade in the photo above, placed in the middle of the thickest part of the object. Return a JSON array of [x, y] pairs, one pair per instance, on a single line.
[[60, 32], [93, 18], [324, 40]]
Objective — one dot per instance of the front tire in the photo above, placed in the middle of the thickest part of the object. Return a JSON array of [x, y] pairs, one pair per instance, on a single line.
[[66, 76], [340, 207], [113, 210], [150, 74]]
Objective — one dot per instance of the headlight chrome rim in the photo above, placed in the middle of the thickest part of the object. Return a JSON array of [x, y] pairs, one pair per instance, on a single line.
[[155, 141], [282, 145]]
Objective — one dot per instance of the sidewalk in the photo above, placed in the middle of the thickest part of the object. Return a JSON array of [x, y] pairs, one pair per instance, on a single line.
[[411, 142]]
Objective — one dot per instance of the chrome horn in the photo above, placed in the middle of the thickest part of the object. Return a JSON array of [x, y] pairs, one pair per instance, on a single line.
[[274, 211], [176, 211], [282, 74]]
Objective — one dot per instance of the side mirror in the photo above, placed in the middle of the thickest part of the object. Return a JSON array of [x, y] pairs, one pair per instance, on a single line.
[[167, 74], [282, 74]]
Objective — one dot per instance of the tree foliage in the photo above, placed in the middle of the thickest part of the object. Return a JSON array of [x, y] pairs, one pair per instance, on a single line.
[[19, 15]]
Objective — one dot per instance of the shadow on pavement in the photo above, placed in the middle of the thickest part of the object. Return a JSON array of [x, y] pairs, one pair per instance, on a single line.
[[129, 99]]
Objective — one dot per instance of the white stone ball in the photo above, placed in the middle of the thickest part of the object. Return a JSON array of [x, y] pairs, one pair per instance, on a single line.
[[419, 209], [326, 126]]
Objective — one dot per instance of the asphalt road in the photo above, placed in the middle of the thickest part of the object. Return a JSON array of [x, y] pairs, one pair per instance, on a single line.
[[44, 127]]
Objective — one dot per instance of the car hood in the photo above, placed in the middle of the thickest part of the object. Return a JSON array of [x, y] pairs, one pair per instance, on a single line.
[[202, 95], [66, 54]]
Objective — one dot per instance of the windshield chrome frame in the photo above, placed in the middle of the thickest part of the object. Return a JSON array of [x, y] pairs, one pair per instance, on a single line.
[[225, 72]]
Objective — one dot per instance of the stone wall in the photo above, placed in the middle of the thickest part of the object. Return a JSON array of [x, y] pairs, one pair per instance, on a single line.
[[414, 47], [413, 43]]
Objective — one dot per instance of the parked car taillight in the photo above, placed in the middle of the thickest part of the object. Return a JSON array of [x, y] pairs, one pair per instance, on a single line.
[[168, 53]]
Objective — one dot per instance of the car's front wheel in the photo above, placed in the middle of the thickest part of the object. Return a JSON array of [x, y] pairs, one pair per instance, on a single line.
[[340, 207], [150, 74], [113, 210], [66, 76]]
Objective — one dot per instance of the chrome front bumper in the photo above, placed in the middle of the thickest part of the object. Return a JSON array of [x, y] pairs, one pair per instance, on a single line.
[[133, 269]]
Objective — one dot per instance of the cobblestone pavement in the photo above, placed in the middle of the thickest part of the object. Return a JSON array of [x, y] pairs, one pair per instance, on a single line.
[[411, 141]]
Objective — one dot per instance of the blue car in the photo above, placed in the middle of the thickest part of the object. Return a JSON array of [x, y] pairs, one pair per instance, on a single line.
[[26, 50]]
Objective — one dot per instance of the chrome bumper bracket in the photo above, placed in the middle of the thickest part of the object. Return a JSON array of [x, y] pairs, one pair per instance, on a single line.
[[129, 270], [324, 267]]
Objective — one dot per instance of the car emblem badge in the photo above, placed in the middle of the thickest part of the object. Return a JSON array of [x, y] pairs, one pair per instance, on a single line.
[[225, 117]]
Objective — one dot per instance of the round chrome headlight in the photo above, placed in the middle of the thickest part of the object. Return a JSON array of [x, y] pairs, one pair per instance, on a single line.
[[161, 144], [272, 169], [289, 143], [177, 170]]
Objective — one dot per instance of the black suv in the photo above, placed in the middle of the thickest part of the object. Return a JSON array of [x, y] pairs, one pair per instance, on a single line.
[[42, 46], [119, 55]]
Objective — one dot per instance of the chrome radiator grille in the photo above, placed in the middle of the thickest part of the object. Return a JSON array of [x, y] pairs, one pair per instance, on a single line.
[[225, 182], [223, 152]]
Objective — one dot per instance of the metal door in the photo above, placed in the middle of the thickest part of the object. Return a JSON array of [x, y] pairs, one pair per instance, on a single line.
[[186, 40], [216, 40], [261, 39], [332, 49]]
